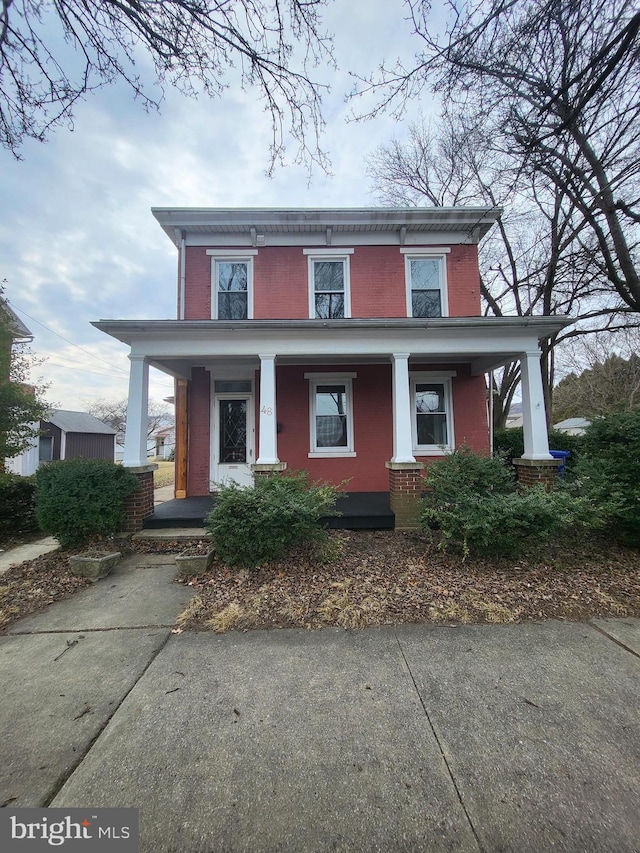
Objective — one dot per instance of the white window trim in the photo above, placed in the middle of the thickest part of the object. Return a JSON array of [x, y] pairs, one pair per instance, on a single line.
[[427, 254], [345, 379], [445, 377], [329, 255], [233, 255]]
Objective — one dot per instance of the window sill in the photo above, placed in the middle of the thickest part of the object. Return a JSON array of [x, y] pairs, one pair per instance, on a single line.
[[432, 451], [332, 454]]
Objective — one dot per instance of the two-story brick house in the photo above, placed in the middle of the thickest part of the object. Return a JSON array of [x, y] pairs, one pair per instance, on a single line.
[[348, 343]]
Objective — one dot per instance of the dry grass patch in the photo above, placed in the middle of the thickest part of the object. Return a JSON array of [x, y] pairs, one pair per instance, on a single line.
[[450, 611], [195, 610], [349, 607], [227, 618]]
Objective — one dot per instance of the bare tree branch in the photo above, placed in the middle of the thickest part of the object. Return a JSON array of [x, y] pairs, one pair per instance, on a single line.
[[557, 86], [54, 53]]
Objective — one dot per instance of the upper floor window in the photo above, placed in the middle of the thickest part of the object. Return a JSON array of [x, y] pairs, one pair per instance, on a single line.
[[433, 412], [329, 291], [426, 281], [232, 284]]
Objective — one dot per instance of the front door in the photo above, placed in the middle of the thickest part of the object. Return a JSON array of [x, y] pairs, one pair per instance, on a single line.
[[234, 440]]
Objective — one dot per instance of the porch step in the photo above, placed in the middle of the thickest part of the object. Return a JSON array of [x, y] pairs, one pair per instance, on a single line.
[[187, 534]]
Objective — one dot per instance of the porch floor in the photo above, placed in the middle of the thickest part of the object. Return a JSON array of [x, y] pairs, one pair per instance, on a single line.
[[359, 511]]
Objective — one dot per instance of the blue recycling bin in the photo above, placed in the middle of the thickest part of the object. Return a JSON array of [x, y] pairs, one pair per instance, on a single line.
[[563, 455]]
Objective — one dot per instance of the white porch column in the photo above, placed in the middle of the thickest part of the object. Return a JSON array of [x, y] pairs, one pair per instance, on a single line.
[[135, 442], [534, 420], [268, 425], [402, 435]]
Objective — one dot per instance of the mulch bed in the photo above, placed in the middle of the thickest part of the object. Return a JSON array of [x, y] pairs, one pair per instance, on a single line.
[[375, 578], [382, 578]]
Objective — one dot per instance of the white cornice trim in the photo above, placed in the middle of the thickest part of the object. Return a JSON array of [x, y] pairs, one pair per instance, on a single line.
[[232, 253], [335, 251], [326, 375], [425, 250]]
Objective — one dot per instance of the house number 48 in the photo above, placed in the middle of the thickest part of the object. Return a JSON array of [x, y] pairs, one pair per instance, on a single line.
[[266, 410]]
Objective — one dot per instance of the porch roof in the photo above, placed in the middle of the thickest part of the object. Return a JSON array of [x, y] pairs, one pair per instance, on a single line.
[[174, 346]]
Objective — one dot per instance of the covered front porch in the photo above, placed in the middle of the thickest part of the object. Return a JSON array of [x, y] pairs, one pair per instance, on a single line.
[[265, 355]]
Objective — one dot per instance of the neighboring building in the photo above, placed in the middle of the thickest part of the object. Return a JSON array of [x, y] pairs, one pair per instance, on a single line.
[[19, 331], [347, 342], [66, 435], [164, 441], [573, 426]]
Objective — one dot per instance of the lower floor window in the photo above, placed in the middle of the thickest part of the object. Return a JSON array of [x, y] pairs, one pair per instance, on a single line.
[[432, 415], [331, 416]]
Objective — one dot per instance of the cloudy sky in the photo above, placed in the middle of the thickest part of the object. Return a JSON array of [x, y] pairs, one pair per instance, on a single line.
[[77, 239]]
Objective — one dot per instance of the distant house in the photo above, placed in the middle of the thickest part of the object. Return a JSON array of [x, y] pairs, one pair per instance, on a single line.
[[18, 329], [164, 442], [573, 426], [66, 435], [515, 417]]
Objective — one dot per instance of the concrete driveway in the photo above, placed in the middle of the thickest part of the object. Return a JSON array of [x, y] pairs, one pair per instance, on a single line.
[[487, 738]]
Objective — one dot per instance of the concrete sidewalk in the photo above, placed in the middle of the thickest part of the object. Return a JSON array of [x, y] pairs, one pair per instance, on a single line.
[[30, 551], [492, 738]]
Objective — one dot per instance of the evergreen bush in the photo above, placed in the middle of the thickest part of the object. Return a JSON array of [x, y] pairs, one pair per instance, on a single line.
[[474, 503], [17, 512], [80, 499], [609, 472], [254, 525]]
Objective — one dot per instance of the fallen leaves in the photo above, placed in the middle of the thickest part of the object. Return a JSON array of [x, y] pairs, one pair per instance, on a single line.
[[33, 585], [378, 578], [396, 577]]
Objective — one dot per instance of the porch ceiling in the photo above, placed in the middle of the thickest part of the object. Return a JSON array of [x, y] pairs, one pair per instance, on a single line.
[[175, 346]]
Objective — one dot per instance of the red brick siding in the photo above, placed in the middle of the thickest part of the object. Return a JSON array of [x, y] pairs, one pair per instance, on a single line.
[[199, 432], [373, 424], [372, 421], [463, 281], [378, 287], [139, 505], [280, 284], [197, 284]]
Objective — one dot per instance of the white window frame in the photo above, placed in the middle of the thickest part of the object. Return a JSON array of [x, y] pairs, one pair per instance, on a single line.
[[342, 255], [427, 254], [433, 378], [316, 379], [231, 256]]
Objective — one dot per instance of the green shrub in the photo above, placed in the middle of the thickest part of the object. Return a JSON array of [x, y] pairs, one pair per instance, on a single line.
[[609, 472], [79, 499], [252, 526], [510, 443], [464, 473], [475, 505], [17, 513]]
